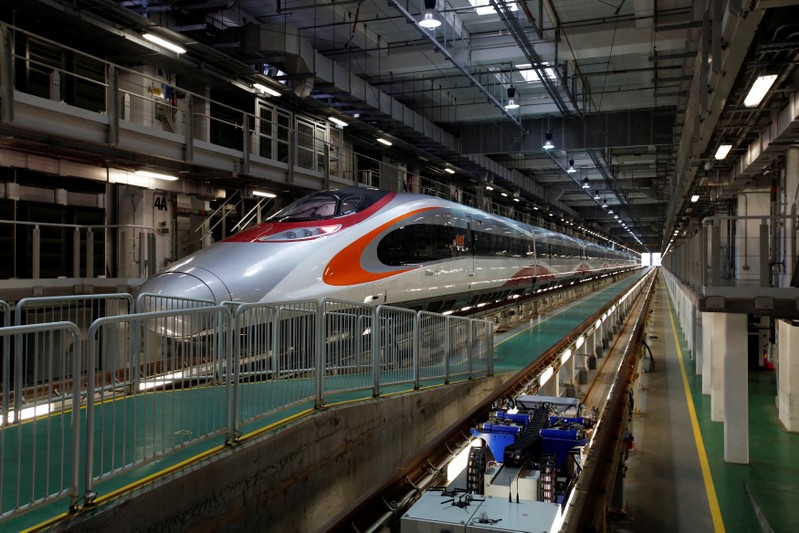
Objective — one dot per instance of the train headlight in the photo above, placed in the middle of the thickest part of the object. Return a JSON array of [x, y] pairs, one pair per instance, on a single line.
[[297, 234]]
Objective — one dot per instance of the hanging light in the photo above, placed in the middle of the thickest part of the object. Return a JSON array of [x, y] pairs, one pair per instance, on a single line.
[[586, 185], [548, 142], [572, 170], [604, 204], [695, 198], [596, 196], [512, 100], [431, 18]]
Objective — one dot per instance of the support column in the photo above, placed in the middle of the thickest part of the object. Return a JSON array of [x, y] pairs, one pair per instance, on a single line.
[[719, 333], [736, 390], [788, 376], [707, 350], [599, 340], [699, 341], [565, 377], [550, 388]]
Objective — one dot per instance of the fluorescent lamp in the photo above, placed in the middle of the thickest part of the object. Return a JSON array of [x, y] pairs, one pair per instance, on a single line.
[[723, 150], [384, 141], [505, 194], [163, 42], [759, 89], [489, 188], [695, 198], [337, 121], [449, 171], [265, 89], [156, 175], [263, 194]]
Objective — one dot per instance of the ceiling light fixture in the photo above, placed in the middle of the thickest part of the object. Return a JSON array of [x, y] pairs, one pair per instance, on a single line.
[[512, 103], [164, 43], [264, 194], [695, 198], [596, 196], [610, 211], [548, 142], [604, 204], [489, 188], [722, 152], [381, 140], [759, 89], [449, 171], [571, 169], [264, 89], [586, 185], [337, 121], [431, 18], [156, 175]]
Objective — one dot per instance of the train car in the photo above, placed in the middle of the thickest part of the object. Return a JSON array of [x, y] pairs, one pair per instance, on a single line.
[[379, 247]]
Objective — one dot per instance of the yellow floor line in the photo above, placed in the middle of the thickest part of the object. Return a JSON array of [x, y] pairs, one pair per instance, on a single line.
[[715, 510]]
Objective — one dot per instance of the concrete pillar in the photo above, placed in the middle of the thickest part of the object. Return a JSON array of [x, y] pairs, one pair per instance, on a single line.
[[566, 374], [718, 333], [550, 388], [736, 389], [707, 351], [599, 340], [699, 342], [788, 376]]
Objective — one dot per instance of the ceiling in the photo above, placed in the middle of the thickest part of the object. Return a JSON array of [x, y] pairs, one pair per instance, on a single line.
[[617, 83]]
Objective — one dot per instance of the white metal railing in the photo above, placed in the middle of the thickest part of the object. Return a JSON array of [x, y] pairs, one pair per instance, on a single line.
[[40, 420], [738, 251], [151, 383]]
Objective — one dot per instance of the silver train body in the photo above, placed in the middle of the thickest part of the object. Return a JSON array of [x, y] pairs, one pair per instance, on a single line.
[[374, 246]]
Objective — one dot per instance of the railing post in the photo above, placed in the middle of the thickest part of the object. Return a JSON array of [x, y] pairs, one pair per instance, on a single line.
[[246, 144], [446, 349], [765, 268], [76, 382], [703, 244], [37, 244], [326, 169], [319, 355], [376, 352], [416, 369], [76, 254], [292, 151]]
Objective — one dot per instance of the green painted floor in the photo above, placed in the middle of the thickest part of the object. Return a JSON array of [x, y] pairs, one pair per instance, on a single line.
[[773, 470], [513, 351]]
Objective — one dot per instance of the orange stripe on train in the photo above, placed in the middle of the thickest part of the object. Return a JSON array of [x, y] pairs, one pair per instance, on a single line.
[[345, 267]]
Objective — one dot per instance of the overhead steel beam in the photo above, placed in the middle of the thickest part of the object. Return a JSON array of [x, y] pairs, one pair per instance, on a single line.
[[443, 50]]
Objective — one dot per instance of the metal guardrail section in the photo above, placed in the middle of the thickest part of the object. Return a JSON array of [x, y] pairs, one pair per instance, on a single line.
[[347, 338], [40, 388], [154, 382], [81, 310], [5, 309], [149, 357]]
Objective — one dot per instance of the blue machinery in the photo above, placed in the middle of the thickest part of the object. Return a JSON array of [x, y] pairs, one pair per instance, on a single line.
[[521, 469]]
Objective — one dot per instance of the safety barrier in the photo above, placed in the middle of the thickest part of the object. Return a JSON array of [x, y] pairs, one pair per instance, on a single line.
[[39, 439], [151, 383]]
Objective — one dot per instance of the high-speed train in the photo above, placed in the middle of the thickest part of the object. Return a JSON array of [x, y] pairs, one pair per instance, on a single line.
[[374, 246]]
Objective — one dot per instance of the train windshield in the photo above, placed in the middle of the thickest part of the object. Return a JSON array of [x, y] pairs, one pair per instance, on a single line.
[[332, 204]]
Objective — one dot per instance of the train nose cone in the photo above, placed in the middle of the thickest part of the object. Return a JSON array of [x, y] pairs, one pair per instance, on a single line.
[[199, 284]]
